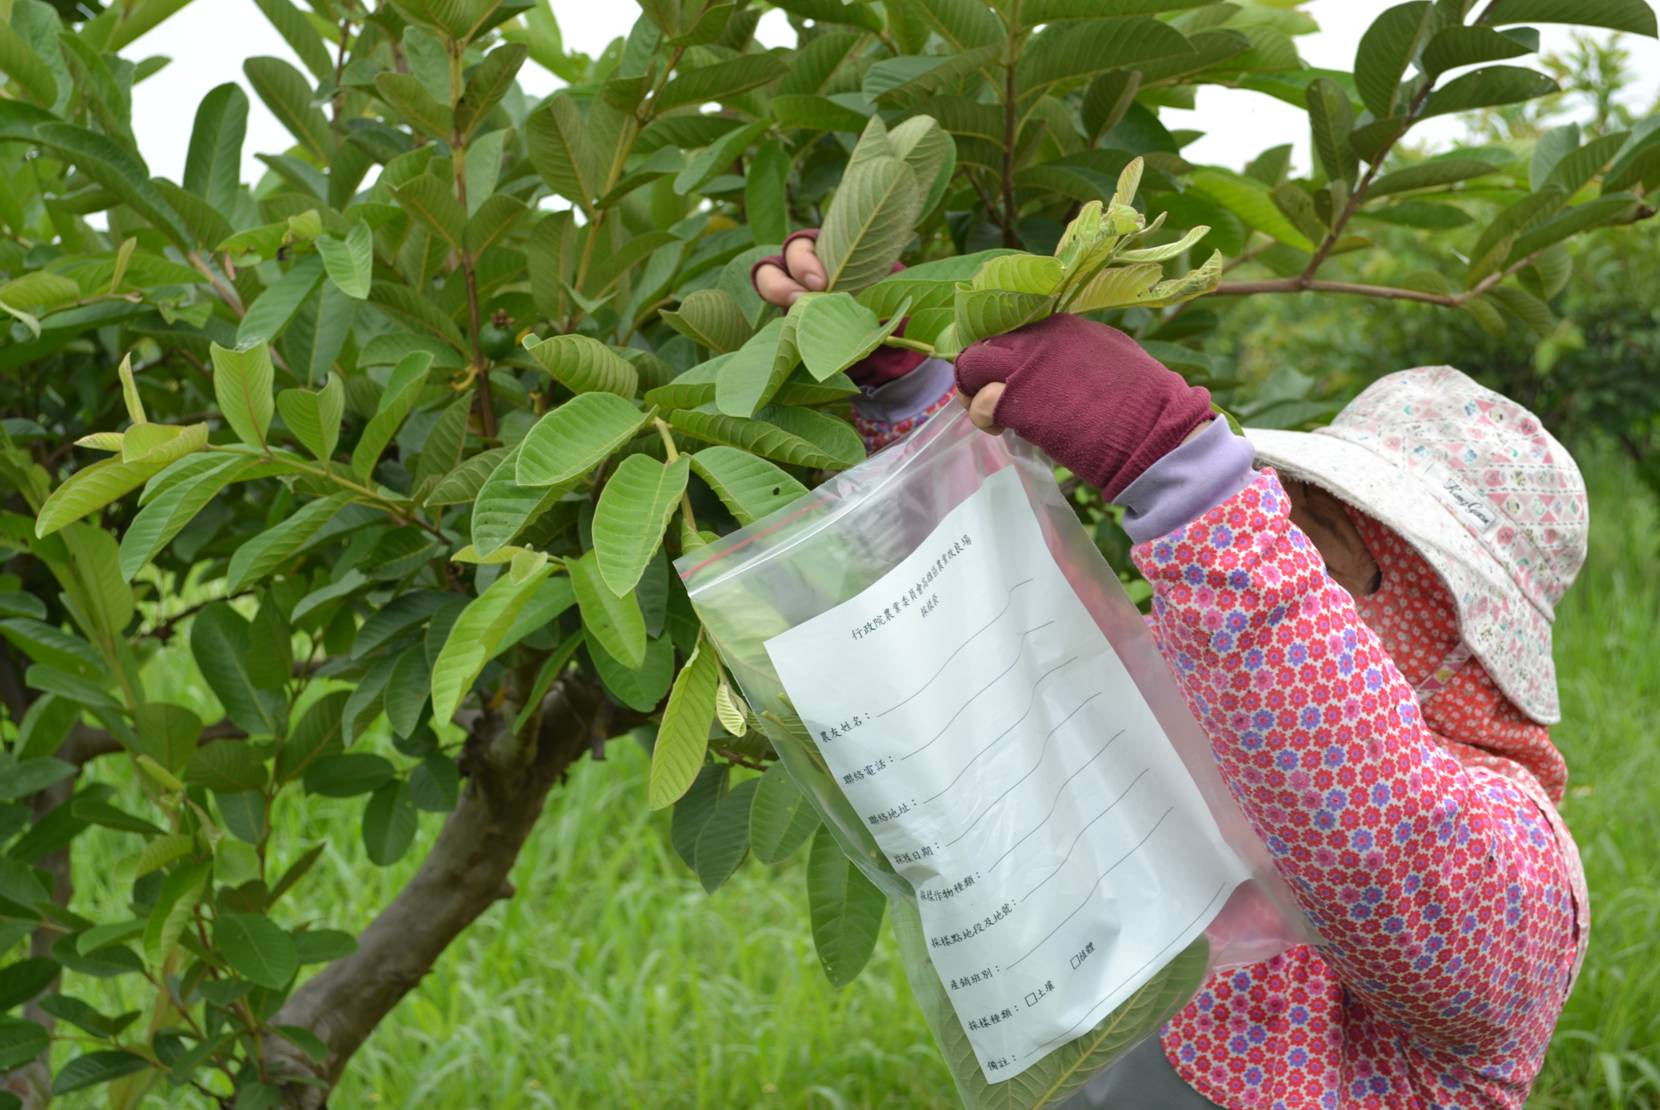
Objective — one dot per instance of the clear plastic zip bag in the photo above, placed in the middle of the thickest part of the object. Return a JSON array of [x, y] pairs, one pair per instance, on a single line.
[[958, 684]]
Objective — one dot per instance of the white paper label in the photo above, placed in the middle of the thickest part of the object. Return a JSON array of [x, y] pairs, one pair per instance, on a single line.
[[1006, 763]]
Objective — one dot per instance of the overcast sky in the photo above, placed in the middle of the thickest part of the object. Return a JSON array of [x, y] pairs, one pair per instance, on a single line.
[[209, 40]]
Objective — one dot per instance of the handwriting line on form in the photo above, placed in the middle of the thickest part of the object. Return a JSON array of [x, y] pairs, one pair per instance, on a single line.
[[1001, 613], [1097, 883], [1015, 662], [1043, 755], [1018, 721]]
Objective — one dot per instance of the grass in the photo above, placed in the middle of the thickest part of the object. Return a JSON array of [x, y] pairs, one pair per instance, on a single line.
[[612, 980]]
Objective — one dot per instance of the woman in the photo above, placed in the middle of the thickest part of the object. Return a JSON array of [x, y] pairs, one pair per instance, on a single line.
[[1363, 629]]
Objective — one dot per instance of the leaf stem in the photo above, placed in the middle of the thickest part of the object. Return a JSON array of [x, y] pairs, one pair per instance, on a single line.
[[908, 344], [464, 255], [686, 514]]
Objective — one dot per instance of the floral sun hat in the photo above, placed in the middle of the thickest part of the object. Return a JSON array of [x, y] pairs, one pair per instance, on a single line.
[[1473, 481]]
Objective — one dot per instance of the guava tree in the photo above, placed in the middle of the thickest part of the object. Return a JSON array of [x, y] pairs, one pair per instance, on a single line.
[[398, 441]]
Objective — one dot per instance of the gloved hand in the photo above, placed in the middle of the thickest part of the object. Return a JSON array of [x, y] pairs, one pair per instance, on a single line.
[[781, 278], [1087, 394]]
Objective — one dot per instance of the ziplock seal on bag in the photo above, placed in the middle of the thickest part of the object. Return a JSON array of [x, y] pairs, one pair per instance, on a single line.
[[958, 684]]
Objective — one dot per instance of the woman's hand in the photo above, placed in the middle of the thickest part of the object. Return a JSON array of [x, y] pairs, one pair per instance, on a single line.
[[782, 278], [1087, 394]]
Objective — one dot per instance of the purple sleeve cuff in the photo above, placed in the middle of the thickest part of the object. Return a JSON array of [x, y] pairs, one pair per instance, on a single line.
[[908, 397], [1187, 482]]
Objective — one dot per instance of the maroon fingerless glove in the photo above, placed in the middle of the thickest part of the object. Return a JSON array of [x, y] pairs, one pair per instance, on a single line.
[[881, 366], [1088, 395]]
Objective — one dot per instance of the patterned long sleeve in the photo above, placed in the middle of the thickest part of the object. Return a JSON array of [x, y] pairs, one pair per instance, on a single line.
[[1443, 892]]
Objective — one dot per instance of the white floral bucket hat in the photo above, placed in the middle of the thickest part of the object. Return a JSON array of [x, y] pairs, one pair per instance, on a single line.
[[1473, 481]]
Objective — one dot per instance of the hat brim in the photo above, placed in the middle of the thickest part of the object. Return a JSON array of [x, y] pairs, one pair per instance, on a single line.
[[1502, 628]]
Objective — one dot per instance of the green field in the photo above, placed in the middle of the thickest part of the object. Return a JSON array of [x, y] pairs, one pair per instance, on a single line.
[[612, 980]]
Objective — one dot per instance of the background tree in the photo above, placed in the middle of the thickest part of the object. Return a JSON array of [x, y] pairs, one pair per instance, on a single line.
[[399, 439]]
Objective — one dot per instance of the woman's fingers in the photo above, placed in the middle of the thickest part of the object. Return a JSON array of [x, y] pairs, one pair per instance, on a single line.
[[776, 286], [801, 257], [982, 407]]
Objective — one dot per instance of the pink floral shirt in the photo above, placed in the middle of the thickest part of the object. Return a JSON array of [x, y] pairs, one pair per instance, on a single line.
[[1421, 840]]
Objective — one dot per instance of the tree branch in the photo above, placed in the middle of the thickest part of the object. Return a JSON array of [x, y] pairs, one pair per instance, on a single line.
[[463, 875]]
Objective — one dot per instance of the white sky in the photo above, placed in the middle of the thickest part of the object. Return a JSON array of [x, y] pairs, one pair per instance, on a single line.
[[209, 40]]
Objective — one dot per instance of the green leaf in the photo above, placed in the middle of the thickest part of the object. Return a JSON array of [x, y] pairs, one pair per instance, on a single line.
[[1071, 51], [640, 688], [431, 201], [90, 489], [20, 1042], [615, 622], [175, 904], [213, 165], [835, 332], [1496, 240], [242, 388], [716, 158], [270, 549], [220, 641], [300, 35], [489, 81], [576, 436], [813, 113], [1429, 175], [870, 220], [766, 202], [464, 482], [560, 154], [403, 389], [166, 515], [930, 285], [780, 818], [119, 170], [723, 841], [92, 1068], [1486, 88], [683, 736], [749, 487], [1574, 171], [1390, 45], [795, 437], [348, 774], [633, 510], [226, 767], [314, 416], [26, 69], [584, 365], [29, 776], [1252, 202], [1453, 47], [167, 733], [846, 910], [477, 634], [1331, 119], [276, 306], [1570, 223], [751, 376], [693, 811], [256, 948], [503, 507], [711, 318], [982, 313], [389, 823], [349, 262], [719, 81], [21, 981], [410, 99], [1634, 16], [288, 94]]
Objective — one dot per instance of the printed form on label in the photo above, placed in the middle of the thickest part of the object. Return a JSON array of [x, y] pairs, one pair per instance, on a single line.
[[985, 730]]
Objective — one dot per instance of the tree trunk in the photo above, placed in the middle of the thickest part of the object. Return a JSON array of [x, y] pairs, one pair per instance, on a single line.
[[463, 875]]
